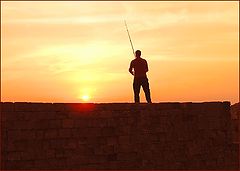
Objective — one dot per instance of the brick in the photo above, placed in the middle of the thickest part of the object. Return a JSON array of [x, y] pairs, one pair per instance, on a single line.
[[92, 142], [112, 140], [57, 143], [123, 121], [111, 122], [77, 161], [33, 145], [46, 145], [7, 147], [81, 123], [59, 107], [13, 135], [41, 164], [68, 123], [105, 114], [82, 149], [29, 155], [64, 133], [43, 115], [22, 106], [56, 164], [20, 145], [71, 144], [108, 132], [12, 116], [102, 123], [19, 165], [131, 157], [59, 153], [39, 134], [93, 132], [124, 148], [123, 130], [51, 134], [27, 134], [99, 151], [13, 156], [55, 124], [41, 124], [124, 139], [7, 107], [95, 123], [108, 149], [61, 115]]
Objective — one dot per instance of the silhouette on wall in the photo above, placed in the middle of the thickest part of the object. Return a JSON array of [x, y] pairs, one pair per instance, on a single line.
[[138, 68]]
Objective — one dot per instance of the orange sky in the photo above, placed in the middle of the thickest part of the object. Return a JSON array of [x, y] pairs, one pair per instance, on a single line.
[[77, 51]]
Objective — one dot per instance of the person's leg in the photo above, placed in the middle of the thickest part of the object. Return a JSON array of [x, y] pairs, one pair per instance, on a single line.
[[146, 90], [136, 89]]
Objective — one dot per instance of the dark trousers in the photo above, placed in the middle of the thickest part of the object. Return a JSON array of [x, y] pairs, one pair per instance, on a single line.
[[137, 83]]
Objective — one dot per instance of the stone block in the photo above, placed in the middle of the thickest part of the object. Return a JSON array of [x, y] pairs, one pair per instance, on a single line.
[[108, 132], [64, 133], [81, 123], [51, 134], [20, 165], [108, 149], [14, 156], [57, 143], [71, 144], [27, 134], [111, 122], [124, 148], [131, 157], [41, 164], [124, 139], [7, 107], [94, 122], [93, 132], [13, 135], [67, 123], [39, 134], [19, 145], [56, 164], [43, 115], [122, 130], [59, 107], [27, 107], [105, 114], [12, 116], [112, 140]]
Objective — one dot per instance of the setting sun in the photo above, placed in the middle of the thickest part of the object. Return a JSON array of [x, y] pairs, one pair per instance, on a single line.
[[85, 98]]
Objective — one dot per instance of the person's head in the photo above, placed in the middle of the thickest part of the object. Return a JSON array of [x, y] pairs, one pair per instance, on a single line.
[[138, 53]]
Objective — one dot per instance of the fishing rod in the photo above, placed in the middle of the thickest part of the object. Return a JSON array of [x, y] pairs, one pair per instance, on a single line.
[[129, 37]]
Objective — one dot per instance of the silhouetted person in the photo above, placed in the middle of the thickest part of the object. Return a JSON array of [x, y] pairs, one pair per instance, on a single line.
[[138, 69]]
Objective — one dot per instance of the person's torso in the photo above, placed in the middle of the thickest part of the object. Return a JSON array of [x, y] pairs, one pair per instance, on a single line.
[[140, 67]]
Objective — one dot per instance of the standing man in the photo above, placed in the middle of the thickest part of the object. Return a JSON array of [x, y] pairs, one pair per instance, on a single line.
[[138, 69]]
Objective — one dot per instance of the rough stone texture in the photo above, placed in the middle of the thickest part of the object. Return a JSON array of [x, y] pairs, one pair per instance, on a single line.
[[235, 116], [117, 136]]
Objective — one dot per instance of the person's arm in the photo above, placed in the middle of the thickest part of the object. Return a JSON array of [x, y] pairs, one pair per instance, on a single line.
[[146, 66], [131, 68]]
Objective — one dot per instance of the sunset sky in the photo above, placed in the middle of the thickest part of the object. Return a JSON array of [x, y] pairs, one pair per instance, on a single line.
[[76, 51]]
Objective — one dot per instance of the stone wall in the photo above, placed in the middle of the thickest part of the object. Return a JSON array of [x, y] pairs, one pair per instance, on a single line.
[[117, 136], [235, 126]]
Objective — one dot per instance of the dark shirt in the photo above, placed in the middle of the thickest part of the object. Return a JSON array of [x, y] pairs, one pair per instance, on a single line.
[[140, 67]]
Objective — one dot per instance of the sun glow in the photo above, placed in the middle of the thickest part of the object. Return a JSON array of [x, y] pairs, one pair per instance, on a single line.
[[80, 51], [85, 98]]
